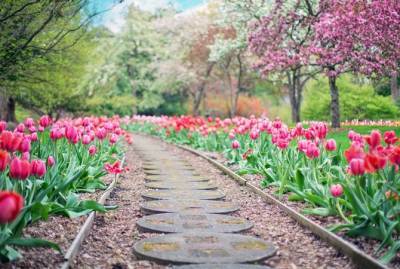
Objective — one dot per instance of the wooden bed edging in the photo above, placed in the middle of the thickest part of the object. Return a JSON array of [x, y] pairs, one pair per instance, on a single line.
[[360, 258], [87, 225]]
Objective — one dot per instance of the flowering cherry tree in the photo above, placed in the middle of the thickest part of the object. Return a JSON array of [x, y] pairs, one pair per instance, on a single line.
[[356, 35], [338, 36], [282, 40]]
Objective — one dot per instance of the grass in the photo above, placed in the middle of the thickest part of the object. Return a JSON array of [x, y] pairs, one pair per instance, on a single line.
[[341, 135]]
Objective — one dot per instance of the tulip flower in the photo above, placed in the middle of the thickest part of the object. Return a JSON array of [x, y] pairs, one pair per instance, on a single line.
[[25, 145], [254, 134], [113, 168], [3, 126], [26, 156], [11, 204], [38, 168], [374, 139], [330, 145], [50, 161], [10, 141], [29, 122], [86, 139], [4, 159], [92, 150], [235, 144], [20, 128], [20, 169], [44, 121], [336, 190], [357, 166], [390, 137], [312, 151], [113, 139]]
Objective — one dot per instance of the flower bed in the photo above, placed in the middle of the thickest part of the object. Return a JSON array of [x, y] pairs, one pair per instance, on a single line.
[[359, 184], [45, 165]]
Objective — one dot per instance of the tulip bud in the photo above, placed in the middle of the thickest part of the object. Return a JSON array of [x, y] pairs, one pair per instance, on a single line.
[[25, 145], [254, 134], [38, 168], [11, 204], [20, 128], [92, 150], [44, 121], [336, 190], [50, 161], [113, 139], [34, 137], [235, 144], [357, 166], [86, 139], [330, 145], [20, 169]]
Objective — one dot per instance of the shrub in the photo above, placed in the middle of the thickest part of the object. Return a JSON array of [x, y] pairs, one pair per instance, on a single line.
[[356, 101]]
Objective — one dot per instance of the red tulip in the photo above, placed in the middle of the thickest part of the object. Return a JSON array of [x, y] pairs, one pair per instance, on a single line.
[[3, 126], [354, 152], [38, 168], [357, 166], [330, 145], [50, 161], [10, 141], [71, 134], [390, 137], [374, 139], [20, 169], [394, 156], [11, 204], [4, 159], [336, 190], [374, 162]]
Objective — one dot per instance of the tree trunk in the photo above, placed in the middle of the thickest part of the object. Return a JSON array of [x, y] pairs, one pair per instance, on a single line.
[[335, 110], [294, 94], [199, 94], [3, 104], [11, 110], [394, 89]]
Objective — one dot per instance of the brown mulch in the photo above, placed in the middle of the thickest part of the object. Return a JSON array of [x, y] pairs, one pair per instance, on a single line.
[[58, 229], [110, 242]]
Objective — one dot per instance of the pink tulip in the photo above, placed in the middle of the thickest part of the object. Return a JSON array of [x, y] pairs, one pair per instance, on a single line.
[[86, 139], [50, 161], [113, 139], [235, 144], [336, 190], [330, 145], [34, 137], [92, 150], [357, 166], [20, 169], [38, 168], [25, 145], [44, 121]]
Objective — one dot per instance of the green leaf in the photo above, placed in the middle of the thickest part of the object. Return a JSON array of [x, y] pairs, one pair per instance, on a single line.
[[33, 242], [320, 211]]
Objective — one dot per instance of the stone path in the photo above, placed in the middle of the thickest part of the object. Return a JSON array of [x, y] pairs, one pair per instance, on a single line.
[[184, 205]]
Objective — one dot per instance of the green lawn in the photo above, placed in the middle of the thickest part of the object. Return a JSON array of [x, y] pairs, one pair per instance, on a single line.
[[341, 135]]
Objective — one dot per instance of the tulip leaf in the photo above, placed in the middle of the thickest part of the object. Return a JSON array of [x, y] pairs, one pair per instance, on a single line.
[[33, 242]]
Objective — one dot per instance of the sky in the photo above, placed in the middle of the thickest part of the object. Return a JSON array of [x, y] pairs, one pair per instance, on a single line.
[[114, 19]]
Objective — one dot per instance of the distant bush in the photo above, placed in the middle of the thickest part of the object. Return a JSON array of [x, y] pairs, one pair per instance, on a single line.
[[356, 101]]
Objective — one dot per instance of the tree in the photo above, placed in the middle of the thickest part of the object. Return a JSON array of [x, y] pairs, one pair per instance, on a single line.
[[356, 35], [31, 30], [281, 40], [230, 51]]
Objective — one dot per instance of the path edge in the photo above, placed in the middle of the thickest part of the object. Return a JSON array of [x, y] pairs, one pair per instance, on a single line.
[[84, 231], [360, 258]]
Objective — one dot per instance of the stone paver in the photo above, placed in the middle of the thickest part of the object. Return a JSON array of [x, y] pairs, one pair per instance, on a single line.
[[193, 222], [186, 204]]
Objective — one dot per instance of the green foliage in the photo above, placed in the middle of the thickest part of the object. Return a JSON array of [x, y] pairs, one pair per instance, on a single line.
[[356, 101]]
